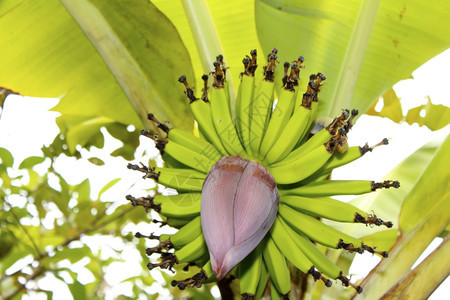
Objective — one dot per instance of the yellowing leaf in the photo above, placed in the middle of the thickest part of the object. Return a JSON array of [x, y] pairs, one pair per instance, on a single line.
[[434, 116]]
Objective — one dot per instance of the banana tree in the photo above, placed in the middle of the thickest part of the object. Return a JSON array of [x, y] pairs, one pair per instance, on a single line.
[[112, 63]]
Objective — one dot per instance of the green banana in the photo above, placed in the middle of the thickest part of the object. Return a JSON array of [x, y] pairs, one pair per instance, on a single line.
[[323, 207], [185, 234], [319, 260], [293, 130], [186, 139], [352, 154], [182, 154], [184, 180], [321, 137], [221, 115], [329, 188], [303, 167], [276, 265], [279, 118], [263, 277], [175, 222], [193, 251], [181, 183], [314, 229], [274, 292], [250, 271], [181, 172], [244, 101], [182, 206], [288, 247], [262, 107], [201, 109]]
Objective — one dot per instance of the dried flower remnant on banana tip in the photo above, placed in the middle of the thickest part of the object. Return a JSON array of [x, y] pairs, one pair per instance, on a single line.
[[244, 183]]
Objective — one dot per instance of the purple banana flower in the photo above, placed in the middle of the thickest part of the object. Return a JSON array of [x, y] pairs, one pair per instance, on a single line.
[[239, 204]]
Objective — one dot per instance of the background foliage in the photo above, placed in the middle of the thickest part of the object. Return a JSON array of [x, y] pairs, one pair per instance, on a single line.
[[112, 62]]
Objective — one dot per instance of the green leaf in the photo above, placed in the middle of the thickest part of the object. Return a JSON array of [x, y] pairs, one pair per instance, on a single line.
[[78, 290], [429, 198], [424, 216], [72, 254], [119, 60], [31, 161], [108, 186], [96, 161], [83, 132], [361, 59], [6, 158], [84, 191]]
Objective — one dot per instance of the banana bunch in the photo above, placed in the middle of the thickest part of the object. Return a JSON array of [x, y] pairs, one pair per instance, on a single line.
[[278, 139]]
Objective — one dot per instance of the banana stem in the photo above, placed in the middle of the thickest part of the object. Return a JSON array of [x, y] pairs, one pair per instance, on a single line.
[[351, 65], [205, 35]]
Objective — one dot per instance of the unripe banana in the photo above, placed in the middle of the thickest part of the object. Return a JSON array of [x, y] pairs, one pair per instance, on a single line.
[[277, 266], [201, 109], [318, 259], [301, 168], [262, 285], [274, 292], [279, 118], [243, 110], [181, 172], [194, 143], [288, 247], [186, 139], [329, 188], [193, 251], [182, 206], [185, 234], [250, 271], [314, 229], [291, 133], [261, 108], [179, 182], [321, 137], [323, 207], [183, 154], [221, 115]]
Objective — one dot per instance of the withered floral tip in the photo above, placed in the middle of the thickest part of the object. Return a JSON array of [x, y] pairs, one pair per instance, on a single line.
[[346, 282], [160, 125], [372, 219], [247, 296], [349, 247], [316, 275], [146, 202], [385, 184], [143, 236], [189, 92], [194, 281]]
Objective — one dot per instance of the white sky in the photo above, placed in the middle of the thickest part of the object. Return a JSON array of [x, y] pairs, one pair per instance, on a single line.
[[26, 125]]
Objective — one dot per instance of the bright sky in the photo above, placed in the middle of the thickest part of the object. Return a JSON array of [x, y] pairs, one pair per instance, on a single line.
[[26, 125]]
